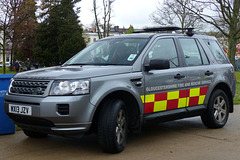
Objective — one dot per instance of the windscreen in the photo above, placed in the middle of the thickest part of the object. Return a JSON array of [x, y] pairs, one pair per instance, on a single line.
[[110, 52]]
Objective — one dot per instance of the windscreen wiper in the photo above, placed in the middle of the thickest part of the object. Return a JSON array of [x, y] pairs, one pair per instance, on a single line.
[[74, 64]]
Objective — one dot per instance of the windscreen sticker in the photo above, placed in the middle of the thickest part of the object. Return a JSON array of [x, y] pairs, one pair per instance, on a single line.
[[132, 57]]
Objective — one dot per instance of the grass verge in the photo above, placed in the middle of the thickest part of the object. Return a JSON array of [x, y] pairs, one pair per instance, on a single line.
[[236, 99], [7, 71]]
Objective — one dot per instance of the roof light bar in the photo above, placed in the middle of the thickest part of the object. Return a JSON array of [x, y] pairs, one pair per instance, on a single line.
[[189, 31]]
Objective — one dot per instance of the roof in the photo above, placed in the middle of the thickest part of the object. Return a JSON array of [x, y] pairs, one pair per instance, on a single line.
[[135, 35], [150, 35]]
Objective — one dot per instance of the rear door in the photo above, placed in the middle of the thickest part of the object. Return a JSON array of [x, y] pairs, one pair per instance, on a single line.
[[199, 71]]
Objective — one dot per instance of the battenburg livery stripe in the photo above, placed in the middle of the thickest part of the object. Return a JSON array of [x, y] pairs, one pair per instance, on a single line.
[[174, 99]]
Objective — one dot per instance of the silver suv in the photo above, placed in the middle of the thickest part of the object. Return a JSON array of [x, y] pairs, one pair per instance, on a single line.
[[118, 83]]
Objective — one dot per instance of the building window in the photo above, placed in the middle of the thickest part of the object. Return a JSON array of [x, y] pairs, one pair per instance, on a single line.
[[7, 58]]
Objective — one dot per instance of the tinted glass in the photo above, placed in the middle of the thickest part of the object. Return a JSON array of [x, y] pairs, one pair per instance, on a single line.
[[165, 49], [191, 52], [203, 54], [216, 50], [110, 52]]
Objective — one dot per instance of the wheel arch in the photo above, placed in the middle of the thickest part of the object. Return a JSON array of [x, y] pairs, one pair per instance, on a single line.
[[132, 107], [224, 87]]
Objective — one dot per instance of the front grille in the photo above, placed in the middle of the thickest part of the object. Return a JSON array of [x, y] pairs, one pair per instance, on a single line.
[[28, 87]]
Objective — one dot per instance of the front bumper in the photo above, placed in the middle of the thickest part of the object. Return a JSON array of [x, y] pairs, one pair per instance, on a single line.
[[46, 114]]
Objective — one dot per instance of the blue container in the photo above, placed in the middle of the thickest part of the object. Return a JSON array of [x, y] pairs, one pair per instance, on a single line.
[[6, 125]]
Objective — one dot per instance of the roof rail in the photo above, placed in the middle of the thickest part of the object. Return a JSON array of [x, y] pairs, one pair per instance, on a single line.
[[189, 31]]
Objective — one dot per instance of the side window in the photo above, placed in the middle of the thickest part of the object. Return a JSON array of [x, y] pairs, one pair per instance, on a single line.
[[216, 50], [191, 52], [165, 49], [203, 54]]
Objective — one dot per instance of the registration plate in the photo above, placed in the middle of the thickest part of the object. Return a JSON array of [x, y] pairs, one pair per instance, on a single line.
[[18, 109]]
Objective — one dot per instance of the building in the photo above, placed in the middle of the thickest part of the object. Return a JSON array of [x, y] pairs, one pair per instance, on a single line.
[[90, 34], [8, 47]]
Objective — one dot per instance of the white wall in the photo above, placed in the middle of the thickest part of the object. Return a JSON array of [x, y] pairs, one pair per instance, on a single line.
[[7, 54], [92, 37]]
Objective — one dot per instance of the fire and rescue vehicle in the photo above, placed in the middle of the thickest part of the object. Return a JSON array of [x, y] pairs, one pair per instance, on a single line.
[[118, 83]]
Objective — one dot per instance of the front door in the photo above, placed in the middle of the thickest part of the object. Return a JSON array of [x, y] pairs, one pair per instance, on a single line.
[[165, 89]]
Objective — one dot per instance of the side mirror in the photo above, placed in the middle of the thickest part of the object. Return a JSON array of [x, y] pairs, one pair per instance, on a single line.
[[157, 64]]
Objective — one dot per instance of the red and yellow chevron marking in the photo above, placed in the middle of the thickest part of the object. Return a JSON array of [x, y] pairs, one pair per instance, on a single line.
[[174, 99]]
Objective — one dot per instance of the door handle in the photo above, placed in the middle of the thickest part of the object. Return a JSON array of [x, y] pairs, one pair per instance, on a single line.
[[208, 73], [179, 76]]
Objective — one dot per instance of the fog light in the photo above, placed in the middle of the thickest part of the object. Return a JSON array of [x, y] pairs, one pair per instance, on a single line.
[[63, 109]]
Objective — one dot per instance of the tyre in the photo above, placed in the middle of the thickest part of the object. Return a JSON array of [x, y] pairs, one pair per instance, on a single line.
[[33, 134], [217, 112], [112, 126]]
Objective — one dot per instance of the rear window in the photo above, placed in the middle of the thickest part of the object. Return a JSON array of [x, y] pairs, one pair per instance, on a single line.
[[216, 50], [193, 53]]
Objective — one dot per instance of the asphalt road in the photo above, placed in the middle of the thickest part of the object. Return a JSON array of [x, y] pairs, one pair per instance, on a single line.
[[185, 139]]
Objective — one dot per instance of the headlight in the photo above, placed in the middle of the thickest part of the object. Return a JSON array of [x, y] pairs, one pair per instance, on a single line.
[[10, 85], [70, 87]]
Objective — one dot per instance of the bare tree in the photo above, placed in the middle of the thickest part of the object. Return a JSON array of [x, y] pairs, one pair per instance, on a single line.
[[172, 13], [96, 19], [9, 20], [105, 16], [225, 16], [7, 10]]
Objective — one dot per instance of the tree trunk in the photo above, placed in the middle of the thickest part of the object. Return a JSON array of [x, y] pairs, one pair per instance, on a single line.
[[109, 17], [13, 49], [232, 43], [104, 18], [96, 19], [3, 49]]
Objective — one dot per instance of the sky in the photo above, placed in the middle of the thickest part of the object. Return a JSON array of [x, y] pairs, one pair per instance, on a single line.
[[125, 13]]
